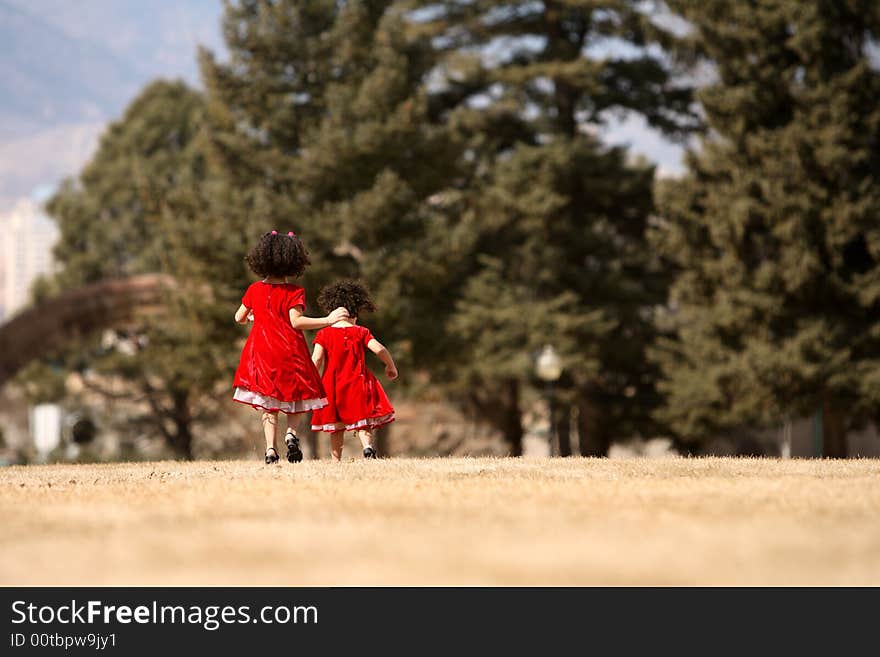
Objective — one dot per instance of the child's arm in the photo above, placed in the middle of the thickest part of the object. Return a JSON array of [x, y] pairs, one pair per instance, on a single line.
[[241, 315], [299, 321], [318, 357], [385, 356]]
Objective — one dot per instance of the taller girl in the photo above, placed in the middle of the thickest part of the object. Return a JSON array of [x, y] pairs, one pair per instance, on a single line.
[[276, 372]]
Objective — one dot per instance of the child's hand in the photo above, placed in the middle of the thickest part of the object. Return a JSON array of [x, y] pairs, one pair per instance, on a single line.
[[391, 372], [250, 316], [337, 315]]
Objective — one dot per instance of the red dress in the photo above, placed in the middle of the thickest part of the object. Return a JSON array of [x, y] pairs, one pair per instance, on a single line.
[[276, 372], [356, 398]]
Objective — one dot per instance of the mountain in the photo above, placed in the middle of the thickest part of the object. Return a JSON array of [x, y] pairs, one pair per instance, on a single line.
[[67, 68], [47, 77]]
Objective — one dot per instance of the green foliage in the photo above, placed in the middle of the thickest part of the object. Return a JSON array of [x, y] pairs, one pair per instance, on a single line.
[[774, 229], [43, 382], [110, 218], [138, 207], [557, 248]]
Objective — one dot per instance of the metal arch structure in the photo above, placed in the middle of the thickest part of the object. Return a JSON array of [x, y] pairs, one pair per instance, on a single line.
[[78, 312]]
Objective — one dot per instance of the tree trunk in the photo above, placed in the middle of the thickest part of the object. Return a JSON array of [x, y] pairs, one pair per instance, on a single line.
[[183, 444], [310, 439], [314, 443], [563, 429], [511, 422], [834, 444], [181, 440], [381, 439], [592, 437], [559, 46]]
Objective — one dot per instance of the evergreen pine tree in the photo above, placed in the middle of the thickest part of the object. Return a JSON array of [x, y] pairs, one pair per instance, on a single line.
[[557, 220], [774, 230], [136, 208]]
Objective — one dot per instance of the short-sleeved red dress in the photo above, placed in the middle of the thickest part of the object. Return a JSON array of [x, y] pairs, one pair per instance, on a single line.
[[276, 372], [356, 398]]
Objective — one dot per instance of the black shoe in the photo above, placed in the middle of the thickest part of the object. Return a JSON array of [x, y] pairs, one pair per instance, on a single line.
[[294, 453], [369, 453], [273, 457]]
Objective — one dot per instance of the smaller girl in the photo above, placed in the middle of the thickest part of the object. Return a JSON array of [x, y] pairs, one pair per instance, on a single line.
[[275, 372], [356, 400]]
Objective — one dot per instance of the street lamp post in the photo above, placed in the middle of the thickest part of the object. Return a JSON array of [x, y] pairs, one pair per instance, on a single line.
[[548, 367]]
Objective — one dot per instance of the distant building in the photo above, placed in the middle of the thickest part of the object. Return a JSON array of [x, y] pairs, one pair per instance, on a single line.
[[27, 236]]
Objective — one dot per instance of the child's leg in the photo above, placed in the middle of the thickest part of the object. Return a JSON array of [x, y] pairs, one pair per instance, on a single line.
[[366, 437], [294, 453], [270, 420], [337, 439]]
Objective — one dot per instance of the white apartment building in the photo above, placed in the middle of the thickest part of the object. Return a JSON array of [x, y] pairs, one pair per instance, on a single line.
[[27, 236]]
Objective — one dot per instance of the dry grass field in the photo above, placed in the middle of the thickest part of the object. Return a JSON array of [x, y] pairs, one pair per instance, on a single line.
[[449, 521]]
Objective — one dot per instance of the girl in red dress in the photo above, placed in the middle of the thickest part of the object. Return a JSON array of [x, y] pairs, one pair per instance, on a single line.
[[356, 399], [275, 372]]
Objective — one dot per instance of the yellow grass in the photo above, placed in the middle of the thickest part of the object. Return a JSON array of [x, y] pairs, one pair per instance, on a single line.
[[444, 521]]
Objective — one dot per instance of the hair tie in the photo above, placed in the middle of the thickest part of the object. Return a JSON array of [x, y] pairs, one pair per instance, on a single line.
[[290, 234], [274, 232]]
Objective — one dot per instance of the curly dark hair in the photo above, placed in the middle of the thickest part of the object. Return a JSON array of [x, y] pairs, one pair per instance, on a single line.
[[352, 295], [278, 255]]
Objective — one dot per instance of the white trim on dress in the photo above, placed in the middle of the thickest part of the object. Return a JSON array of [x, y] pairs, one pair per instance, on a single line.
[[269, 403], [371, 422]]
